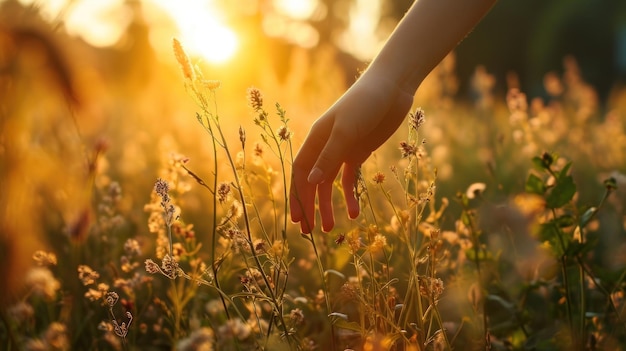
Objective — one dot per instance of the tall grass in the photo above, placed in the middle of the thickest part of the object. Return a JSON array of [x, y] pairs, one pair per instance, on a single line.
[[518, 257]]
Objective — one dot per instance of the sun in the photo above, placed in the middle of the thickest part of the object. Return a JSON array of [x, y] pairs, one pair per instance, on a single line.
[[200, 29]]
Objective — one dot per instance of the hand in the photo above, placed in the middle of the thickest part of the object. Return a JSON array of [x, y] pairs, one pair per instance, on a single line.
[[345, 135]]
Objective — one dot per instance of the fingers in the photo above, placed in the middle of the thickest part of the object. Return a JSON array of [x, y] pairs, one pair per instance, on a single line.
[[331, 157], [302, 205], [348, 182], [325, 194], [302, 200]]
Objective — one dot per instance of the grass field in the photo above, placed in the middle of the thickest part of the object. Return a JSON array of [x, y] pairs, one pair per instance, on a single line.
[[143, 207]]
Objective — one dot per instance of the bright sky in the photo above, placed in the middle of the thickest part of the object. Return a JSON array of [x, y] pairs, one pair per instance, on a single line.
[[201, 26]]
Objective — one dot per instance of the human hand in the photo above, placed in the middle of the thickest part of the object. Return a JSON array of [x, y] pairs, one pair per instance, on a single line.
[[345, 135]]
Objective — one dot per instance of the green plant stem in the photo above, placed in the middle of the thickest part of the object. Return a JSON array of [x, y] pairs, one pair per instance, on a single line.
[[277, 305], [320, 268]]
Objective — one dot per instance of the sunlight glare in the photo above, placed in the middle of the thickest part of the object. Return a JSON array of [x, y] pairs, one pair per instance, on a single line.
[[296, 9], [360, 37], [200, 29], [99, 23]]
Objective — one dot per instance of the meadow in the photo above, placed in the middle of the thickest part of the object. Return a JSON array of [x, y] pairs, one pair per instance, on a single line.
[[144, 207]]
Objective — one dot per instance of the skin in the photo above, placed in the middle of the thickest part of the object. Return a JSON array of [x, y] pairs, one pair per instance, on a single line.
[[373, 108]]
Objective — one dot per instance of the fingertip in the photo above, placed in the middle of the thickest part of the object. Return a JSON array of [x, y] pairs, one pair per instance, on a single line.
[[353, 211], [316, 176]]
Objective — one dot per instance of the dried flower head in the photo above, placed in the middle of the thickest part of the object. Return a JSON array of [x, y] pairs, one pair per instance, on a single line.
[[42, 283], [56, 337], [21, 312], [296, 316], [132, 248], [110, 298], [379, 242], [353, 239], [223, 191], [242, 137], [201, 339], [283, 133], [431, 287], [87, 275], [210, 84], [152, 267], [416, 119], [43, 258], [408, 149], [379, 177], [169, 267], [255, 99], [258, 150], [183, 60]]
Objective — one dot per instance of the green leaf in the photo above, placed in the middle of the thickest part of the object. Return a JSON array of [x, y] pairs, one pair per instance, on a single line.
[[535, 185], [562, 193], [538, 163], [587, 216], [563, 173], [565, 221], [339, 320]]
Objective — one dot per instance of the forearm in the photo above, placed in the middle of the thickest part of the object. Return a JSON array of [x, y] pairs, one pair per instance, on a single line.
[[426, 34]]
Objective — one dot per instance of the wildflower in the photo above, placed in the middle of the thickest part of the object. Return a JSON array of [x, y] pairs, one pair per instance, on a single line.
[[178, 250], [121, 330], [416, 119], [87, 275], [379, 242], [259, 246], [42, 283], [475, 190], [408, 149], [296, 316], [127, 265], [152, 267], [21, 312], [234, 328], [223, 192], [379, 177], [354, 241], [242, 137], [43, 258], [214, 307], [236, 210], [210, 84], [278, 249], [255, 99], [56, 337], [283, 133], [349, 290], [258, 150], [431, 287], [111, 298], [98, 293], [200, 340], [169, 267], [131, 247], [35, 345], [183, 60]]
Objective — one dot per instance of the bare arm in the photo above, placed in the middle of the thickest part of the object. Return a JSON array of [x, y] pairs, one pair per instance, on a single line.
[[375, 106]]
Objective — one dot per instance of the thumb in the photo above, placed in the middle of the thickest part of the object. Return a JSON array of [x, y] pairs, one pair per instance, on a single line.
[[330, 158]]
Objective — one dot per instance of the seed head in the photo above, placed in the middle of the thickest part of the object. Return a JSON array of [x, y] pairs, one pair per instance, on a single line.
[[416, 119], [379, 178], [183, 60], [408, 149], [283, 133], [255, 99], [152, 267]]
